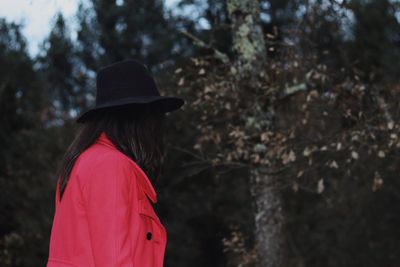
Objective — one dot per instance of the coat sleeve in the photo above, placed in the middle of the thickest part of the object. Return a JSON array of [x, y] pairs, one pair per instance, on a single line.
[[107, 195]]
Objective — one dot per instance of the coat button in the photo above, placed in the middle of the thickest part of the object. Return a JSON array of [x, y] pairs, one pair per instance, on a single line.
[[148, 236]]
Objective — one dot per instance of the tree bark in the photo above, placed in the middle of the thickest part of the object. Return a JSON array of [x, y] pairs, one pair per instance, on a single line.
[[248, 39], [269, 220], [250, 49]]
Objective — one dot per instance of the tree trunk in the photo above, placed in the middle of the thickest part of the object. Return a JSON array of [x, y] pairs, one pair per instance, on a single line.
[[269, 220], [250, 50], [248, 39]]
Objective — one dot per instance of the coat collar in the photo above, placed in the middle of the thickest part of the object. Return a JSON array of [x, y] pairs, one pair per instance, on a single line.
[[143, 180]]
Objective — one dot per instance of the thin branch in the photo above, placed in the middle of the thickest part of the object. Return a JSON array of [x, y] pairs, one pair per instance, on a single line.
[[188, 152], [218, 54]]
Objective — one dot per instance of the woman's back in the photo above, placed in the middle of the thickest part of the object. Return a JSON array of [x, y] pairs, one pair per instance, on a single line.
[[106, 217]]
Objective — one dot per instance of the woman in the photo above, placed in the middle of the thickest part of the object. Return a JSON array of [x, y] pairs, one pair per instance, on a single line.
[[103, 205]]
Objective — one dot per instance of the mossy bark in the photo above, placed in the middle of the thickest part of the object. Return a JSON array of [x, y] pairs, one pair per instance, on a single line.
[[250, 51], [248, 40]]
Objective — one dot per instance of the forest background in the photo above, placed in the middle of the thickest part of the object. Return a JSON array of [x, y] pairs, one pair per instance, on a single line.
[[289, 137]]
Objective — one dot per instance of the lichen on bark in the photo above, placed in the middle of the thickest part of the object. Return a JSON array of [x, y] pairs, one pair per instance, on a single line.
[[248, 40]]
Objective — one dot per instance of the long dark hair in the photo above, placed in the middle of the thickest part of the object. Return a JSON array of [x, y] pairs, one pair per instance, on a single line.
[[136, 130]]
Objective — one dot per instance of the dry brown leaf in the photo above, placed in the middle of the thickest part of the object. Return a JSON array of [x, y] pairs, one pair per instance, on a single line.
[[300, 173], [295, 187], [377, 182], [354, 155], [334, 164], [181, 81], [321, 186], [288, 157]]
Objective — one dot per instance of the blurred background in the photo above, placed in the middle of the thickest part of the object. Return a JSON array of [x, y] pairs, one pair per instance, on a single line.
[[300, 155]]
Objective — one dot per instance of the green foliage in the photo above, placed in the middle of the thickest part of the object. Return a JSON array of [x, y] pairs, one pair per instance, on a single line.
[[62, 78], [111, 31], [376, 39], [24, 159]]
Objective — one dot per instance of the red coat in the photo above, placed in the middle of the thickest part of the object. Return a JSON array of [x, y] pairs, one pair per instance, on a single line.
[[106, 217]]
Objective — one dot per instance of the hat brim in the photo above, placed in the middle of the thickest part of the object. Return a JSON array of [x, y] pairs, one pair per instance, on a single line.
[[166, 103]]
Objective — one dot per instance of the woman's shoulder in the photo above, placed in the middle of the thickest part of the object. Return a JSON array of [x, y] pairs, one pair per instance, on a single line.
[[100, 154], [102, 159], [102, 163]]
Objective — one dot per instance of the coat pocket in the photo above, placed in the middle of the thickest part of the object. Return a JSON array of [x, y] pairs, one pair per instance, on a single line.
[[153, 229]]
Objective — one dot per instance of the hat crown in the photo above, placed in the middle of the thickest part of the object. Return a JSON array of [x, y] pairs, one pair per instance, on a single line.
[[124, 79], [128, 82]]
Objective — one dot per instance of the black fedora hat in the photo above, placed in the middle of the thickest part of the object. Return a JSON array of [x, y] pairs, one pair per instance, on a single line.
[[128, 82]]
